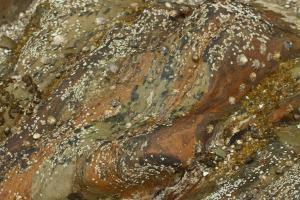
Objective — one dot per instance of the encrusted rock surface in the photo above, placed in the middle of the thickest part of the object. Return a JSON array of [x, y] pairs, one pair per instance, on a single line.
[[150, 100]]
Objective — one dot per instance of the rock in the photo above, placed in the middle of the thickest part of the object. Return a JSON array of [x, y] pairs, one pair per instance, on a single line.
[[175, 109]]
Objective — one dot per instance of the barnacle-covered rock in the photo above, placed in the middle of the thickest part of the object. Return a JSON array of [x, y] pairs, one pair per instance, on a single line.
[[133, 99]]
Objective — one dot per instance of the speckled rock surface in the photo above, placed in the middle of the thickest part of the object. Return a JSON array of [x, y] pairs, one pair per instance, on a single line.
[[150, 100]]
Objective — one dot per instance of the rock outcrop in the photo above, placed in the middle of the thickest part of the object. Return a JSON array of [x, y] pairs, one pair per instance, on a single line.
[[146, 100]]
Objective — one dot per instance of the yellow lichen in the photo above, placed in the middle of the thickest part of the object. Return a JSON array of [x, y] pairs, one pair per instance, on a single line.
[[269, 94]]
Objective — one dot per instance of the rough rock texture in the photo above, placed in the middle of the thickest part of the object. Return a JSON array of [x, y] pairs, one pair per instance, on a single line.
[[149, 100]]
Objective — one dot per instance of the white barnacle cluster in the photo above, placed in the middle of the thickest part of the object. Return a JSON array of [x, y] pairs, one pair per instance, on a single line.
[[244, 27], [275, 159], [76, 91]]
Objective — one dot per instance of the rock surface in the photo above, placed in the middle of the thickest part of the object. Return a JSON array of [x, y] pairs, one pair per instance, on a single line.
[[150, 100]]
